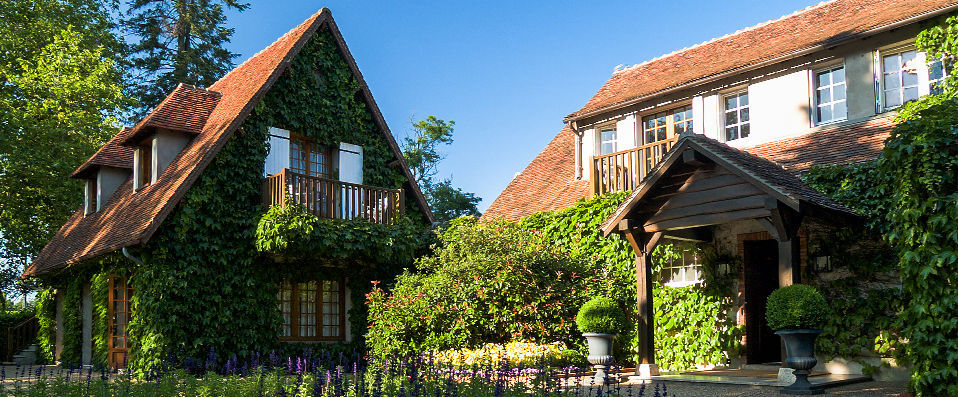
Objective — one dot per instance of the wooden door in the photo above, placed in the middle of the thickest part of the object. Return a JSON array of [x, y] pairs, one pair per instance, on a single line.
[[761, 278], [118, 343]]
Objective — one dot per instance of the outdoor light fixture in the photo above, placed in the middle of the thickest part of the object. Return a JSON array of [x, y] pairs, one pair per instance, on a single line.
[[823, 264], [725, 268]]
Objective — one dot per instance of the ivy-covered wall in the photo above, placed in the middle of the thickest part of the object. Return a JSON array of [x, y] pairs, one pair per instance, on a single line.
[[206, 286]]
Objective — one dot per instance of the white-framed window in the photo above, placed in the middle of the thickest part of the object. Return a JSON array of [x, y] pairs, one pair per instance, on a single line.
[[829, 98], [904, 75], [683, 267], [736, 116], [607, 139]]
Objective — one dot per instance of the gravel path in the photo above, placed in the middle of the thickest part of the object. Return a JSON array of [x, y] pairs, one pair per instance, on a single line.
[[689, 389]]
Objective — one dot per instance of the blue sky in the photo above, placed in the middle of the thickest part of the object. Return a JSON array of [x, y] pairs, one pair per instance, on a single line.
[[506, 72]]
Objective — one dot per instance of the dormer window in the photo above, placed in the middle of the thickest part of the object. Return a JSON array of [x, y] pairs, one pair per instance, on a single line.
[[90, 196], [143, 165]]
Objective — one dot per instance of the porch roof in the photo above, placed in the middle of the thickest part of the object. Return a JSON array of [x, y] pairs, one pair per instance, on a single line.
[[720, 184]]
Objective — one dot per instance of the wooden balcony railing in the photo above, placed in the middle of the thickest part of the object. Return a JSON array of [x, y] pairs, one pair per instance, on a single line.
[[624, 170], [19, 336], [331, 199]]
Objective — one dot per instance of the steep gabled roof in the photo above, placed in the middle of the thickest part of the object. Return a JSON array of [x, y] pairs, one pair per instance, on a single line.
[[817, 27], [130, 218], [112, 154], [762, 173]]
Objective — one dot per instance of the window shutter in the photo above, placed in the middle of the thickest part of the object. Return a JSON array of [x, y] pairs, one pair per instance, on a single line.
[[278, 157], [350, 163]]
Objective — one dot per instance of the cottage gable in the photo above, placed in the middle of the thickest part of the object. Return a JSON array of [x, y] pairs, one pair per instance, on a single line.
[[132, 216]]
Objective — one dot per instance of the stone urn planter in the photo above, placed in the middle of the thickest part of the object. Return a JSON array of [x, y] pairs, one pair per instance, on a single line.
[[800, 356], [599, 320], [600, 353], [797, 312]]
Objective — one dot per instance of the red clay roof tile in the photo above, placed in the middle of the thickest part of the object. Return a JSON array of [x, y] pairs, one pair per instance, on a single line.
[[112, 154], [824, 24]]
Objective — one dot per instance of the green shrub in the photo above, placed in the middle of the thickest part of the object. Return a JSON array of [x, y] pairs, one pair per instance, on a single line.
[[484, 283], [796, 306], [600, 315]]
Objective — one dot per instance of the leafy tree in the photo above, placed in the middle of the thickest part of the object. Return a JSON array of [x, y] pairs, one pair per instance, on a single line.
[[448, 202], [180, 41], [421, 150], [61, 93]]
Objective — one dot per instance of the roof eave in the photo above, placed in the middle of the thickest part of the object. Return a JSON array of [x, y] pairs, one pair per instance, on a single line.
[[581, 114]]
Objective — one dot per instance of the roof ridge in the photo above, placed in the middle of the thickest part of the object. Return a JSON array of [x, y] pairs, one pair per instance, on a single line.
[[289, 33], [737, 32]]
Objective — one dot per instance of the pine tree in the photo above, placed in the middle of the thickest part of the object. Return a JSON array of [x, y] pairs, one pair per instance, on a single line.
[[180, 41]]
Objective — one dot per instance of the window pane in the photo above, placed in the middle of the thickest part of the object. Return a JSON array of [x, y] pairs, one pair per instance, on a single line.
[[839, 111], [825, 113], [743, 133], [838, 75], [891, 81], [731, 118], [743, 99], [731, 133], [660, 134], [731, 103], [910, 94], [824, 95], [743, 115], [680, 128], [678, 116], [935, 70], [892, 98], [838, 92], [891, 64], [909, 79], [824, 79]]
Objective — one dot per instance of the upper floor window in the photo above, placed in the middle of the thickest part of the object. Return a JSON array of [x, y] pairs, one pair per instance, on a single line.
[[143, 173], [308, 158], [312, 310], [607, 140], [736, 116], [906, 75], [830, 95], [665, 125], [91, 195]]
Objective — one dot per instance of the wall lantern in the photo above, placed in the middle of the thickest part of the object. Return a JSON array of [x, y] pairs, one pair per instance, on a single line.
[[725, 269], [823, 264]]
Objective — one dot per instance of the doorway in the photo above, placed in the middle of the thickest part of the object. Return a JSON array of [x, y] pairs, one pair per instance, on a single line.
[[761, 278], [119, 312]]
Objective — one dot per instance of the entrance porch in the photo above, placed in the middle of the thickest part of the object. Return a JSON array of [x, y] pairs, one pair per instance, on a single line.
[[704, 191]]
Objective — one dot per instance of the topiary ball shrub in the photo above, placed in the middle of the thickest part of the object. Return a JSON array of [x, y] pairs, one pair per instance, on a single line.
[[600, 315], [796, 306]]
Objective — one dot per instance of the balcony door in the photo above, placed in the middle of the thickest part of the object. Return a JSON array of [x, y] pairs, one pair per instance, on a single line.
[[661, 130]]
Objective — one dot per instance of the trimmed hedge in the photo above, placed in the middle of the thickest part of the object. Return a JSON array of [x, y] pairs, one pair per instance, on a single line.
[[796, 306], [600, 315]]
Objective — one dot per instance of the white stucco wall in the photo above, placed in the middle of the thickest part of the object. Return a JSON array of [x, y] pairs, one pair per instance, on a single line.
[[778, 107]]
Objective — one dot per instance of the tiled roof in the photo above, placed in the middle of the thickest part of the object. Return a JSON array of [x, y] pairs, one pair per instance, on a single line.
[[186, 110], [112, 154], [845, 144], [548, 183], [822, 25], [762, 172], [130, 218]]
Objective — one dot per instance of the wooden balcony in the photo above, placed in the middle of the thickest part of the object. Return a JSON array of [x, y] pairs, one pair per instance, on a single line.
[[624, 170], [331, 199]]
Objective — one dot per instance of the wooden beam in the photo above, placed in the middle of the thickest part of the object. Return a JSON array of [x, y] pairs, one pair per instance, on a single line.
[[706, 220], [644, 309], [789, 262], [691, 157], [736, 204], [697, 234]]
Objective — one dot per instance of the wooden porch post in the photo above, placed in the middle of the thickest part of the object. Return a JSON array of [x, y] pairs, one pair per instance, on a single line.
[[643, 244], [783, 225]]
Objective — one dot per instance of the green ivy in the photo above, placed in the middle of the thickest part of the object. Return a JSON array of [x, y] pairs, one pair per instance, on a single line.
[[212, 269], [46, 316], [72, 322], [921, 156]]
